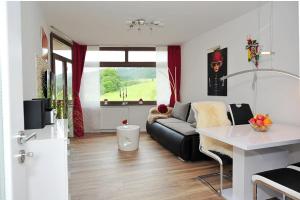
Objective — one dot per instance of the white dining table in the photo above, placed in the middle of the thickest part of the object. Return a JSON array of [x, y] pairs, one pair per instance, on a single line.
[[254, 152]]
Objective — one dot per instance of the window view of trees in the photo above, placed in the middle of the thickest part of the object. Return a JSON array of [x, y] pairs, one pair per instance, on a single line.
[[138, 83], [60, 83], [110, 80]]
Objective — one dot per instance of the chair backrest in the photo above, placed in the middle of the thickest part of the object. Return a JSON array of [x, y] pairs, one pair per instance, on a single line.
[[240, 113], [211, 114]]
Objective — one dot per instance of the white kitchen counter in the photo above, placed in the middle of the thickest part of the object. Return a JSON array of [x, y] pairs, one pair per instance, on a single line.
[[59, 130]]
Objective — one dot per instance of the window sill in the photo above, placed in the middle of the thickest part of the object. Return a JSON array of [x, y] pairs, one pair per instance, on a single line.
[[127, 103]]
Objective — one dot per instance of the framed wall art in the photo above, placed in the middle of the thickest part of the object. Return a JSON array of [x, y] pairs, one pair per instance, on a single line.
[[217, 67]]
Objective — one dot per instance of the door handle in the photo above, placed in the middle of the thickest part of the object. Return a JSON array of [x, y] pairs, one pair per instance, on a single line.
[[22, 156], [22, 139]]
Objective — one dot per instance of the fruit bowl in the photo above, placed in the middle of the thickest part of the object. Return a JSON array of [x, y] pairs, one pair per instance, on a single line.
[[260, 122], [260, 128]]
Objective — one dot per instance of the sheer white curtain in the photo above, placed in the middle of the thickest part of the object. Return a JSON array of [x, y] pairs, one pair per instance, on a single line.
[[162, 77], [90, 91]]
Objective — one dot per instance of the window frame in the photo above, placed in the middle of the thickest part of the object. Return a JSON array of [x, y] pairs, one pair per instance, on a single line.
[[127, 64], [64, 60]]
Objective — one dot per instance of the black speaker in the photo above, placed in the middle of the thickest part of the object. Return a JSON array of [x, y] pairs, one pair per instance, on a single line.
[[34, 114], [48, 111], [46, 101]]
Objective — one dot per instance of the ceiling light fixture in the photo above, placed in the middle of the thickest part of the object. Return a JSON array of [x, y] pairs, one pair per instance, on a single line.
[[140, 24]]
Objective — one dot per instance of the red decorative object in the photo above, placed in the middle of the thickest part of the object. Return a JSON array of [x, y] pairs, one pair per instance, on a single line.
[[78, 57], [162, 108], [125, 122], [174, 68]]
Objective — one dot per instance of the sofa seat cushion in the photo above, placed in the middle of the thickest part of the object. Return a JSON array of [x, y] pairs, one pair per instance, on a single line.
[[169, 120], [178, 125]]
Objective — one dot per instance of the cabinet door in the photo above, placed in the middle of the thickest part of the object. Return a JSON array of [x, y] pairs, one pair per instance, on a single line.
[[48, 170]]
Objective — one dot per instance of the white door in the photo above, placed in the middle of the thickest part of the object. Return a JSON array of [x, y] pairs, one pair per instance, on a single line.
[[12, 99]]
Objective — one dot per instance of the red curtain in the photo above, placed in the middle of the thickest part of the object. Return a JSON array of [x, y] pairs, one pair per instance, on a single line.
[[174, 68], [78, 57]]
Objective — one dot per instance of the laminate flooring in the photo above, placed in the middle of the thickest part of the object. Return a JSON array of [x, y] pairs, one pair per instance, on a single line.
[[99, 171]]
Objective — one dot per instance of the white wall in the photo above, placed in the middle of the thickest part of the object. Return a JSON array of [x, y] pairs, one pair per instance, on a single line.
[[277, 95], [32, 21], [112, 116]]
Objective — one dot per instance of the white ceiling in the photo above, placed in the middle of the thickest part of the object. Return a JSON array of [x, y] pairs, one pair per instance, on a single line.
[[103, 23]]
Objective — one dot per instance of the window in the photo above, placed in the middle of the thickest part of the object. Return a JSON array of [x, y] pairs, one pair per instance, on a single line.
[[59, 80], [61, 48], [141, 56], [127, 74], [112, 56], [132, 83], [61, 74]]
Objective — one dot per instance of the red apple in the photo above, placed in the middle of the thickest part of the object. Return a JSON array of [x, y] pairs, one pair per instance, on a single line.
[[259, 122], [260, 117], [252, 121]]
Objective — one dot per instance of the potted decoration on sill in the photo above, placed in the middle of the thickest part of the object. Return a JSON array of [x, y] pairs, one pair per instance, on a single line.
[[261, 122], [125, 122], [141, 101], [105, 101]]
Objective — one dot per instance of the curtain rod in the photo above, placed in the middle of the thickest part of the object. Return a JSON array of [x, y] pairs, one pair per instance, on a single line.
[[261, 70]]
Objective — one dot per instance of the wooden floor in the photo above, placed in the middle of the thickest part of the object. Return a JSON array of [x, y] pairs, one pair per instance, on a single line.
[[100, 172]]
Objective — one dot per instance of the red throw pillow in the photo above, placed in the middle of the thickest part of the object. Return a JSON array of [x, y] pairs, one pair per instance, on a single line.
[[162, 108]]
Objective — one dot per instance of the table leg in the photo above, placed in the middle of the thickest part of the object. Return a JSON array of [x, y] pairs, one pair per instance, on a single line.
[[247, 163]]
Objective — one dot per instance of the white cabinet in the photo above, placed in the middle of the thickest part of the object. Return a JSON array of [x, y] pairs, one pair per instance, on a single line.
[[47, 170]]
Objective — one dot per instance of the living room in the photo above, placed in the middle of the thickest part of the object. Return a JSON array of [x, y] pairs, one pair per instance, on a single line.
[[150, 100]]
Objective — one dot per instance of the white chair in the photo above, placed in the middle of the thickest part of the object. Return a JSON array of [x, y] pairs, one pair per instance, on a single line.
[[239, 114], [222, 160], [209, 114]]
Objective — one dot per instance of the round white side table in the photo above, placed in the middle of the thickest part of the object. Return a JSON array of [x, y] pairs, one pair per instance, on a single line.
[[128, 137]]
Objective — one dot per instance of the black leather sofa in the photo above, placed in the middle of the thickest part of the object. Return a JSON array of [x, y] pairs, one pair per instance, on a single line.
[[185, 146]]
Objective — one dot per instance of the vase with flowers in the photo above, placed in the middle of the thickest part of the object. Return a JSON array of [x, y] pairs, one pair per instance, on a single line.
[[125, 122]]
